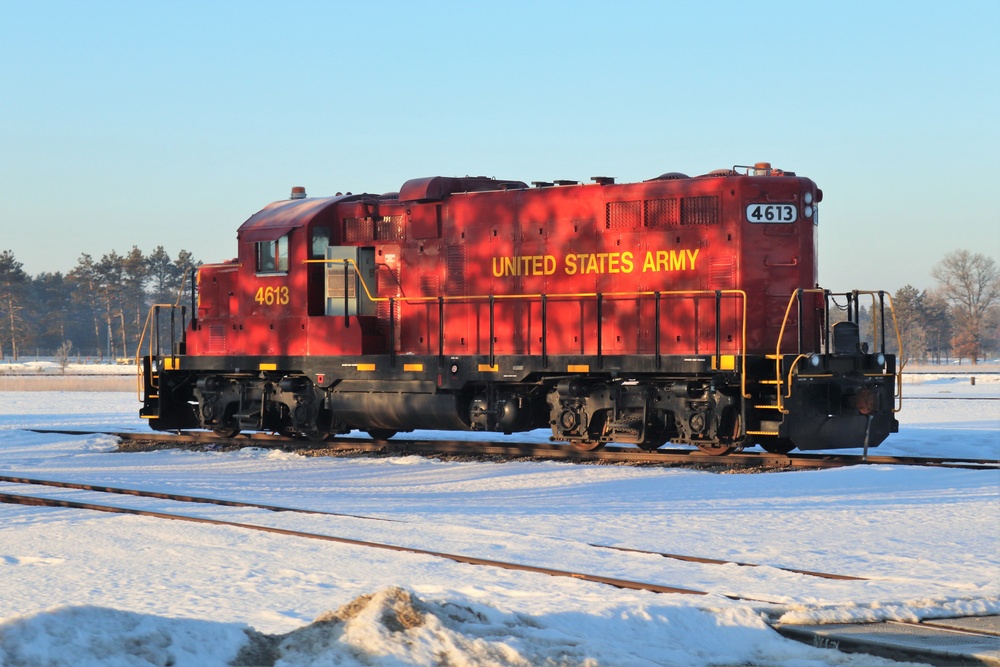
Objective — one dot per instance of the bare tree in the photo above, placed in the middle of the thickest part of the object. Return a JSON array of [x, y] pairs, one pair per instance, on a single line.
[[971, 284], [62, 355]]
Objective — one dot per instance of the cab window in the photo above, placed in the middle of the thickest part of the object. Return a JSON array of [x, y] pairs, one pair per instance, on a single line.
[[320, 242], [272, 256]]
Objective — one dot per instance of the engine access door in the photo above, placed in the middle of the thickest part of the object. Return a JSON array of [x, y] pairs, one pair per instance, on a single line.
[[350, 280]]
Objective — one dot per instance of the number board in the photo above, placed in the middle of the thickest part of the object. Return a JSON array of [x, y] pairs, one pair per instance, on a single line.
[[772, 213]]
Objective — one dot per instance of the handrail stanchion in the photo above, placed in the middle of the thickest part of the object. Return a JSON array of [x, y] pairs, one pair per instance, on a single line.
[[718, 329], [347, 300], [600, 328], [656, 331], [798, 296], [545, 357], [392, 332], [826, 321], [492, 331], [441, 331], [881, 317]]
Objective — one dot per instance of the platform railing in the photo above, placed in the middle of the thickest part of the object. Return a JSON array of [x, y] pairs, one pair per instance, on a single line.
[[878, 333], [738, 329]]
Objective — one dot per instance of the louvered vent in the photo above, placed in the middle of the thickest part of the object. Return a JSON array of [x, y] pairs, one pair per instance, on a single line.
[[455, 262], [216, 338], [388, 286], [700, 210], [722, 273], [429, 285], [663, 212], [623, 215]]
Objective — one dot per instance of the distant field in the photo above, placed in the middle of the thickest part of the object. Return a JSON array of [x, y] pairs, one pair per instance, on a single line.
[[67, 382]]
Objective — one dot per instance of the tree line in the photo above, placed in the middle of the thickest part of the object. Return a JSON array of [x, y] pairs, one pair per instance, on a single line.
[[96, 310], [960, 319]]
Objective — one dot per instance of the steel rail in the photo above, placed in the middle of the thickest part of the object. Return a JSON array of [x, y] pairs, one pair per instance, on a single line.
[[627, 584], [159, 495]]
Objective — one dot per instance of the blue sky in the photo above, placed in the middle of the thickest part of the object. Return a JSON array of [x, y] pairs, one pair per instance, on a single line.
[[169, 123]]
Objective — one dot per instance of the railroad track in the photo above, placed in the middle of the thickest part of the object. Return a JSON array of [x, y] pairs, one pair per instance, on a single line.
[[137, 441], [41, 501], [277, 508]]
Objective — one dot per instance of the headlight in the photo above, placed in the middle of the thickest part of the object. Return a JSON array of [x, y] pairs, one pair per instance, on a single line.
[[808, 198], [815, 360], [808, 211], [880, 359]]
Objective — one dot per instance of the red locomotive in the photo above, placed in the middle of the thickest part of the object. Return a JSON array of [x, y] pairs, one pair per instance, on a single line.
[[675, 310]]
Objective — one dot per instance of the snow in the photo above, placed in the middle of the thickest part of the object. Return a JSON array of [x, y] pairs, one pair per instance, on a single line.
[[86, 588]]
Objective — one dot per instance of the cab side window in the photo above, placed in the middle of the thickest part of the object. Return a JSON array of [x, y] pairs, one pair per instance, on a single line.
[[272, 256], [320, 242]]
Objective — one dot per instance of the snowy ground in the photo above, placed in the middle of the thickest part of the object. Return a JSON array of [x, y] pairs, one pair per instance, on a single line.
[[79, 588]]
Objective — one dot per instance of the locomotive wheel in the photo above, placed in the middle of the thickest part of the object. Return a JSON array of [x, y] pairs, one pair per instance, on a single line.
[[381, 434], [586, 445], [227, 431], [713, 449]]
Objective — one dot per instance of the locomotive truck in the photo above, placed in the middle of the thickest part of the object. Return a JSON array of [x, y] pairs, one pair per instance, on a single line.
[[674, 310]]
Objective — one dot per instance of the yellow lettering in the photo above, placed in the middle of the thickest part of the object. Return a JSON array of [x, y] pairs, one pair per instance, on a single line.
[[662, 260], [677, 262], [550, 265], [497, 271], [627, 265], [648, 264], [570, 265]]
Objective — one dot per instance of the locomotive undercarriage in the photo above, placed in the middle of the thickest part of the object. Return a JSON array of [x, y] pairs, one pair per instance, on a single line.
[[845, 401]]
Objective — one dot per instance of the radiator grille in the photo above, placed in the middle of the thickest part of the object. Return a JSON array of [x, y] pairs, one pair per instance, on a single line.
[[663, 213], [700, 210], [623, 215]]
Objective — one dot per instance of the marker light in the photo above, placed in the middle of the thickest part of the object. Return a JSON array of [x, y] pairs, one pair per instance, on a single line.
[[808, 198], [808, 211], [815, 360], [880, 359]]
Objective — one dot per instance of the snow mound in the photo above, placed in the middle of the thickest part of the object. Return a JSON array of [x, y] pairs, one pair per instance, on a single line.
[[393, 627]]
